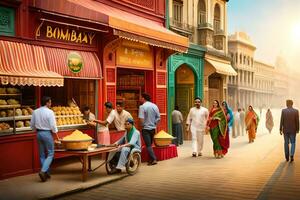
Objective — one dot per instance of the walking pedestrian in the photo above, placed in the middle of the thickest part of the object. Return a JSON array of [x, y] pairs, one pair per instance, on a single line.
[[177, 120], [269, 121], [224, 141], [242, 121], [251, 121], [196, 122], [43, 121], [237, 124], [149, 117], [217, 126], [289, 127]]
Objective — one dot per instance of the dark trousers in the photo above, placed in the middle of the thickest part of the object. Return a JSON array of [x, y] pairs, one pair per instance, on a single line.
[[177, 132], [148, 139]]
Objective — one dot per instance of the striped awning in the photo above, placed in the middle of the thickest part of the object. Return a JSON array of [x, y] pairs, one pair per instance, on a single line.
[[57, 62], [25, 64], [222, 67]]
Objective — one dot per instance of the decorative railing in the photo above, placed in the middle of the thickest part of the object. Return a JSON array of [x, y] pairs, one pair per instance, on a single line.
[[181, 25]]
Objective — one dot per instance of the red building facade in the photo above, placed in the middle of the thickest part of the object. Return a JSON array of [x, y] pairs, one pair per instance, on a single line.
[[119, 49]]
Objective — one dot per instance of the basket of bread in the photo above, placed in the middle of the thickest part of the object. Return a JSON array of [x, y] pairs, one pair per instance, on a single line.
[[163, 139], [77, 141]]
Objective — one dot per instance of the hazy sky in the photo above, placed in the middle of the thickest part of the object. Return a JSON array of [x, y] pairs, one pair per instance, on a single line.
[[273, 26]]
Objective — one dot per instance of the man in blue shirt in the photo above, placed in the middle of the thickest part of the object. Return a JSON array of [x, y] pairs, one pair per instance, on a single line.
[[149, 117], [43, 121]]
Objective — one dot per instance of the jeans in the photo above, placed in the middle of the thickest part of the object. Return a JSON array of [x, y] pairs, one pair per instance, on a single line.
[[46, 144], [289, 138], [148, 139]]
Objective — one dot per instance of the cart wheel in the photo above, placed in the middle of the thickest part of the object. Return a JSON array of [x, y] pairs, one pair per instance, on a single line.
[[133, 163], [109, 167]]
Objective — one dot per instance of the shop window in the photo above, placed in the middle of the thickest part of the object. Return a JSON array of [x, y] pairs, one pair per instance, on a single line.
[[82, 91], [217, 17], [7, 21], [201, 12], [16, 106], [130, 86]]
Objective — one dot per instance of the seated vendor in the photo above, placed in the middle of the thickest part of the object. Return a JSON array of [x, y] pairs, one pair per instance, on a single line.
[[130, 140]]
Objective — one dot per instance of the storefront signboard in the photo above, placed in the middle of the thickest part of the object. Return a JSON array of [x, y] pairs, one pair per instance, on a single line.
[[55, 32], [134, 55], [75, 62]]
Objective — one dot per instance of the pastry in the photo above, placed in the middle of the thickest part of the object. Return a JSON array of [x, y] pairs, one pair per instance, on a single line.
[[12, 102], [25, 112], [20, 124], [2, 113], [18, 112], [10, 113], [3, 102], [2, 90], [12, 90], [27, 123]]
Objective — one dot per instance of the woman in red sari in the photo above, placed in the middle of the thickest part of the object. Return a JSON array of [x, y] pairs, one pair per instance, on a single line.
[[217, 126]]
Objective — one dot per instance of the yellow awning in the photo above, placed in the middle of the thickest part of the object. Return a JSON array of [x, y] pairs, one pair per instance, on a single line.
[[222, 67]]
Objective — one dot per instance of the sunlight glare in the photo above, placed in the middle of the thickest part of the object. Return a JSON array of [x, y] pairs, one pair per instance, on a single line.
[[296, 33]]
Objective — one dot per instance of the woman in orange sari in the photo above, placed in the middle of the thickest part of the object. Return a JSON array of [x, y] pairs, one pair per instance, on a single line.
[[251, 121]]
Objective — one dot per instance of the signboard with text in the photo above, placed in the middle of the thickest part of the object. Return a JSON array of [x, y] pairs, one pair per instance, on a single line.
[[134, 55], [54, 32]]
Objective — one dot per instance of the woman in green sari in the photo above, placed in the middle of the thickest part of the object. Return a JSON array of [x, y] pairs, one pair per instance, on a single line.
[[217, 126]]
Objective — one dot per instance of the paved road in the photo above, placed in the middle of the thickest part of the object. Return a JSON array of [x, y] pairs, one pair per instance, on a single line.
[[249, 171]]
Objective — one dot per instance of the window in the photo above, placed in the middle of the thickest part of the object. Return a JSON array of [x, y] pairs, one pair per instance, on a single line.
[[201, 12], [177, 10], [7, 21], [241, 58], [236, 58], [217, 18]]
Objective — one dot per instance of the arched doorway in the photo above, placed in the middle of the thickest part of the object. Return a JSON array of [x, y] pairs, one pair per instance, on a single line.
[[184, 92]]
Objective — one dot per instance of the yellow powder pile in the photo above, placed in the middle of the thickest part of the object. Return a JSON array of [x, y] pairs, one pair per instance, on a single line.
[[77, 135]]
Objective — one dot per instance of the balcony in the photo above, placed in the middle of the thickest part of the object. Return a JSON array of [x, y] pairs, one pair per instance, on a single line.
[[205, 34], [181, 28], [220, 32], [204, 26]]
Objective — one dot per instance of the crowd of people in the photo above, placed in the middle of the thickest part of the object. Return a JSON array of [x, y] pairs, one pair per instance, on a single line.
[[220, 122]]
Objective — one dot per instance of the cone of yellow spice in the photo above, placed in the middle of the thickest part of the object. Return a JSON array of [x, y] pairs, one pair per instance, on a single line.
[[163, 139]]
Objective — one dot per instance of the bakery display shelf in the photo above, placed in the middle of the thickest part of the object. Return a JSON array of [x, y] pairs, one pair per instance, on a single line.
[[23, 129], [71, 126], [5, 119], [10, 130], [63, 116], [22, 117], [9, 95], [10, 106]]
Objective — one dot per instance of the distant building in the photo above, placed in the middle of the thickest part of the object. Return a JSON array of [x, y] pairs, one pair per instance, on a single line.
[[241, 89], [264, 85]]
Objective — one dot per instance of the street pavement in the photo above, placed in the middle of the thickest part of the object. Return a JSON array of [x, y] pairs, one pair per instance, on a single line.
[[249, 171]]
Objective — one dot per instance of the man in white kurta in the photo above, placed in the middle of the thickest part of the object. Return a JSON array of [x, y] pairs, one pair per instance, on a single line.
[[196, 122]]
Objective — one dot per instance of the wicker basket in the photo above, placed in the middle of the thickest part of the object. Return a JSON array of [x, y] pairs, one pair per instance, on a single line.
[[76, 145], [161, 142]]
